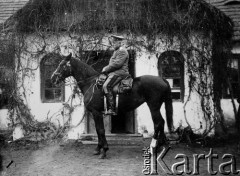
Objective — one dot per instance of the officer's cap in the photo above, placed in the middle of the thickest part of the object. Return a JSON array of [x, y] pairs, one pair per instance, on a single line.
[[117, 37]]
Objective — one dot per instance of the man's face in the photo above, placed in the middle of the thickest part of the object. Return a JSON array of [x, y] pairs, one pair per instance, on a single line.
[[116, 43]]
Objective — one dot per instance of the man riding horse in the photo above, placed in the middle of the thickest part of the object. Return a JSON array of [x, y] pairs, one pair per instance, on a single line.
[[153, 90], [116, 70]]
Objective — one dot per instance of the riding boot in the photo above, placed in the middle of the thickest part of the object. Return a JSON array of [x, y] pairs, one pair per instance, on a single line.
[[110, 101]]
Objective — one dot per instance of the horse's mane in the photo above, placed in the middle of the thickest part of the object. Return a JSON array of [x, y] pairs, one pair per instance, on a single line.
[[84, 66]]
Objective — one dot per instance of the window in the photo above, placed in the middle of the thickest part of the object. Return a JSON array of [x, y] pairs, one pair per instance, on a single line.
[[6, 71], [3, 97], [232, 84], [6, 81], [171, 67], [50, 93]]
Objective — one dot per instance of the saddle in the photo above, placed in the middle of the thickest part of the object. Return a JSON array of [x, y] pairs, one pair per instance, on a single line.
[[124, 86]]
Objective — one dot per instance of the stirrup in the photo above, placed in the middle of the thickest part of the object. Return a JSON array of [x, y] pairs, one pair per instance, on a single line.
[[110, 112]]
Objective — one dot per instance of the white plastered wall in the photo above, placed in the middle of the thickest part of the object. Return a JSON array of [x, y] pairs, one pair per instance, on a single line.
[[146, 63]]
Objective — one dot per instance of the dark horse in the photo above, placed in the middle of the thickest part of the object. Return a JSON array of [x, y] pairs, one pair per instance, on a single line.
[[153, 90]]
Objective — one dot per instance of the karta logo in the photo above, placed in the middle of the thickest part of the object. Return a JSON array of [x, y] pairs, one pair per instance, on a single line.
[[151, 161]]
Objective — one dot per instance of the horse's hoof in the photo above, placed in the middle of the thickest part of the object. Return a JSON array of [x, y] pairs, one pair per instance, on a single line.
[[96, 152], [102, 156]]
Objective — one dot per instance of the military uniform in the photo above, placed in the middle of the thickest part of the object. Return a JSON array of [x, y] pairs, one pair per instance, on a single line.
[[116, 70], [117, 67]]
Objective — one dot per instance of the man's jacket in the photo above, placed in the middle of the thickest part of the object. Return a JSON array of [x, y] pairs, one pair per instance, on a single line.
[[118, 63]]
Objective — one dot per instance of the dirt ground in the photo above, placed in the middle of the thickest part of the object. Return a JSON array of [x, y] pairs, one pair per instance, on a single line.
[[76, 159]]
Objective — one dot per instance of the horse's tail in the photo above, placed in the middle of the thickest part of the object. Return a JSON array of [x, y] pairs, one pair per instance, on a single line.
[[169, 107]]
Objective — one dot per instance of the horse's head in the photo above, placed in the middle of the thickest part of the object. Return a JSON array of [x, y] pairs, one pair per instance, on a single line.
[[63, 70]]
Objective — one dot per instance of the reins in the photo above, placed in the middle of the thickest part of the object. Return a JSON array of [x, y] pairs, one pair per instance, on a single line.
[[87, 80], [93, 85], [81, 81]]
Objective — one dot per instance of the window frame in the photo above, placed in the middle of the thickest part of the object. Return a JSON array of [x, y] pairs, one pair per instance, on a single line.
[[179, 56], [7, 66], [43, 78], [225, 94]]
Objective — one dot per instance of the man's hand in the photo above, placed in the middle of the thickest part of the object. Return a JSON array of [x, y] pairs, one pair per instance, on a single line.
[[104, 73], [104, 69]]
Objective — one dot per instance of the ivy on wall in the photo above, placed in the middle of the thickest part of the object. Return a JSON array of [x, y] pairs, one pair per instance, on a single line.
[[144, 22]]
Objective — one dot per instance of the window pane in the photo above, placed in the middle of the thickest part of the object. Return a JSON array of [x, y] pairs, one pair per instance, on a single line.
[[49, 94], [171, 66], [176, 95], [48, 83], [171, 70], [49, 91], [176, 82], [57, 94], [233, 78], [4, 96], [53, 94]]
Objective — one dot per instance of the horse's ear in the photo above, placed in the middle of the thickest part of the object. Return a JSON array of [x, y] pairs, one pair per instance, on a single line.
[[69, 57]]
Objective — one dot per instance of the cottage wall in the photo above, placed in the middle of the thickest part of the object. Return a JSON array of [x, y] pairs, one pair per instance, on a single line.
[[146, 63]]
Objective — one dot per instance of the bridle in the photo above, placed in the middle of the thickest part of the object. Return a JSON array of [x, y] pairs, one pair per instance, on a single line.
[[67, 67]]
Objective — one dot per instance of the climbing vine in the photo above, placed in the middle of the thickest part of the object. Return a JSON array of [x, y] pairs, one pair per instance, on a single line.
[[148, 25]]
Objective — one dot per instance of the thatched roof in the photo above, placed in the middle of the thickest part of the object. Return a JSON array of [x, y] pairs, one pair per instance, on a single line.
[[144, 16], [232, 9], [9, 7]]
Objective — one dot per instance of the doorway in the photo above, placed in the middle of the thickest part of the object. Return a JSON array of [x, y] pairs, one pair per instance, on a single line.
[[122, 123]]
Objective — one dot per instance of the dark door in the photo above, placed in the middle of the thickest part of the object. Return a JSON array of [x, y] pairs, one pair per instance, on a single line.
[[122, 123]]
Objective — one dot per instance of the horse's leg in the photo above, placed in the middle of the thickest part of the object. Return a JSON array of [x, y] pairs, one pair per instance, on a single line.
[[158, 122], [97, 150], [102, 142]]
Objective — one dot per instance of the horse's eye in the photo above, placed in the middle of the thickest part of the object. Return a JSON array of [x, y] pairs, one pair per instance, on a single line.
[[65, 67]]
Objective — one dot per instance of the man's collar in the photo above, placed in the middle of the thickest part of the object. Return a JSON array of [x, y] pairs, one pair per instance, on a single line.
[[121, 47], [117, 48]]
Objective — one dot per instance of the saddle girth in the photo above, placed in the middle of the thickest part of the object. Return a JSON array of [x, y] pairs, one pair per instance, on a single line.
[[124, 86]]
